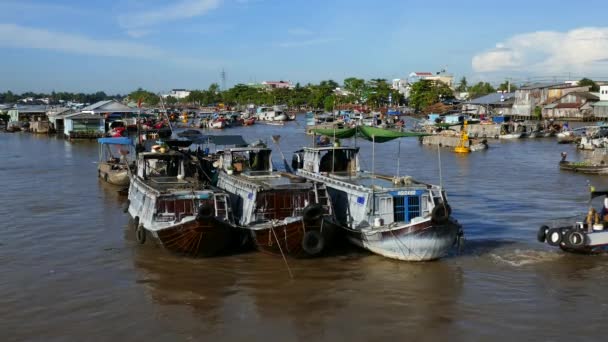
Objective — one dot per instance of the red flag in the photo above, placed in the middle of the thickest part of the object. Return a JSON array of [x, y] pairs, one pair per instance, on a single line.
[[139, 102]]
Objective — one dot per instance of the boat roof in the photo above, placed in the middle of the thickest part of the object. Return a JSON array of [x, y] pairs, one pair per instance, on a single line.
[[236, 140], [248, 148], [329, 148], [115, 141]]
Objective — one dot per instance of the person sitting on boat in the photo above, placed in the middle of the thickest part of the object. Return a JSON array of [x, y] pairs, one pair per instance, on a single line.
[[592, 218]]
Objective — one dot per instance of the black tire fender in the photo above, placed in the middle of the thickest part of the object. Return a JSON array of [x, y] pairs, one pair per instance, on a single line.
[[441, 213], [574, 238], [205, 212], [140, 234], [541, 235], [313, 242], [312, 212], [554, 237]]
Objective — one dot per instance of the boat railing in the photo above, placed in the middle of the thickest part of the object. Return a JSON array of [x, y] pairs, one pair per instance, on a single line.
[[562, 222]]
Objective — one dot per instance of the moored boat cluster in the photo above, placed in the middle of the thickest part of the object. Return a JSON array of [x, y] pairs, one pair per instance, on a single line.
[[200, 204]]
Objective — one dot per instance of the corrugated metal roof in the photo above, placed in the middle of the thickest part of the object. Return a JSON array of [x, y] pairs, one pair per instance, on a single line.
[[84, 116], [568, 105], [547, 85], [585, 95], [494, 98], [25, 109], [600, 104], [97, 105]]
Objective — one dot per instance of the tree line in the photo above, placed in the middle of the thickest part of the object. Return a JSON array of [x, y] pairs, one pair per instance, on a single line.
[[373, 93], [58, 97]]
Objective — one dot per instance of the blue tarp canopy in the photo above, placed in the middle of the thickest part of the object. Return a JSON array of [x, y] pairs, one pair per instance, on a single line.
[[115, 141]]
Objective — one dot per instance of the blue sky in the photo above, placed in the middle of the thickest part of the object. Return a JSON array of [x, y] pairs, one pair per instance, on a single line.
[[117, 46]]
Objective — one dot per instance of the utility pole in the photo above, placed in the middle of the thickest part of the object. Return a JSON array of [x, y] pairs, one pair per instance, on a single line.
[[223, 76]]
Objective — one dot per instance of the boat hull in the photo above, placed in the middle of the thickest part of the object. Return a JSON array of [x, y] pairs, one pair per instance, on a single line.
[[424, 241], [587, 169], [116, 177], [288, 238], [201, 238]]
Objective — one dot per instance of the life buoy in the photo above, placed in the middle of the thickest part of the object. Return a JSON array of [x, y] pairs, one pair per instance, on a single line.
[[554, 237], [140, 234], [541, 235], [205, 212], [312, 213], [313, 242], [575, 238], [441, 213]]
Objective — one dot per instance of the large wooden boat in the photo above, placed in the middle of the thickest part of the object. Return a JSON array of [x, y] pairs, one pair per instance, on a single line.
[[284, 213], [168, 203], [399, 218], [114, 165]]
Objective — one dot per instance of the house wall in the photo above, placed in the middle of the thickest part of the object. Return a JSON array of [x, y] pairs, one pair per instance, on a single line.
[[527, 99], [600, 111]]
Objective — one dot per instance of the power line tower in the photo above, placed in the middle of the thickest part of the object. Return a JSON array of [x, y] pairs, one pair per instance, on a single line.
[[223, 76]]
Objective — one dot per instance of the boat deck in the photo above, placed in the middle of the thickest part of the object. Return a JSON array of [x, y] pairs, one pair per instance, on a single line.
[[271, 180], [367, 180], [163, 184]]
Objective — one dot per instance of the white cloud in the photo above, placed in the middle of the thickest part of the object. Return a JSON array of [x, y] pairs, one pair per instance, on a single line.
[[15, 36], [579, 50], [299, 31], [176, 10], [307, 42]]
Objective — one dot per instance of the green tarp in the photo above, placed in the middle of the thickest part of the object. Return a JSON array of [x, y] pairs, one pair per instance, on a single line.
[[341, 133], [378, 135]]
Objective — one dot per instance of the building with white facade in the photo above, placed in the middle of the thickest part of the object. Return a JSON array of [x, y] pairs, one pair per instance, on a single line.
[[178, 93]]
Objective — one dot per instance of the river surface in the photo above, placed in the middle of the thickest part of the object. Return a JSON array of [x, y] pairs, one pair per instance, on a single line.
[[71, 269]]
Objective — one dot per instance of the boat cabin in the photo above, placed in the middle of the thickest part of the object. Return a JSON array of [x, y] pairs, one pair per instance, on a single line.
[[337, 160], [250, 161], [161, 168]]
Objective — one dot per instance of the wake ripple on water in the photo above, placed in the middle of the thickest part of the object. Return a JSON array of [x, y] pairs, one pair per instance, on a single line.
[[524, 257]]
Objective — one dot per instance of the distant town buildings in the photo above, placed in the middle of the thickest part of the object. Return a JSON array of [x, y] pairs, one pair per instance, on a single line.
[[178, 94], [278, 84], [442, 76]]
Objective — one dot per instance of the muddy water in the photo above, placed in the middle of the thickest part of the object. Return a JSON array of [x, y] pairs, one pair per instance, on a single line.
[[71, 269]]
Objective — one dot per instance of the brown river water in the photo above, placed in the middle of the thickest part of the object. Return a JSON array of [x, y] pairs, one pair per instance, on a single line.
[[71, 269]]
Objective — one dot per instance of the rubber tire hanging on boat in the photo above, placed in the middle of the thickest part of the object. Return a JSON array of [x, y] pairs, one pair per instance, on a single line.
[[140, 234], [312, 213], [205, 212], [541, 235], [575, 239], [441, 213], [551, 233], [313, 242]]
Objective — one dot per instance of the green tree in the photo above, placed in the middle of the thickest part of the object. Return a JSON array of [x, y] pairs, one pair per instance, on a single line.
[[356, 86], [329, 102], [538, 112], [425, 93], [588, 82], [462, 85], [504, 86], [170, 100], [147, 97], [480, 89]]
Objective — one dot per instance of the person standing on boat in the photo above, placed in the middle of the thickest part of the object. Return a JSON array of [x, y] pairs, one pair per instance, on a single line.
[[604, 212]]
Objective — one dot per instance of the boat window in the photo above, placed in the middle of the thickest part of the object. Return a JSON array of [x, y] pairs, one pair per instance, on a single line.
[[338, 160], [405, 208], [162, 168]]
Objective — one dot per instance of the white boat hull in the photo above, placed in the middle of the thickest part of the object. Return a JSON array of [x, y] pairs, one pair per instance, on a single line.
[[511, 136], [408, 244]]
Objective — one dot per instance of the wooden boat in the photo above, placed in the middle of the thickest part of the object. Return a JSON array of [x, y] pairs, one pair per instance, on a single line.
[[114, 167], [285, 214], [170, 205], [587, 234], [585, 166], [218, 124], [399, 218]]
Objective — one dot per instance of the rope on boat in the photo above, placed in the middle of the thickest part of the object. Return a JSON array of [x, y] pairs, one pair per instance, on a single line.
[[282, 254], [403, 244]]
